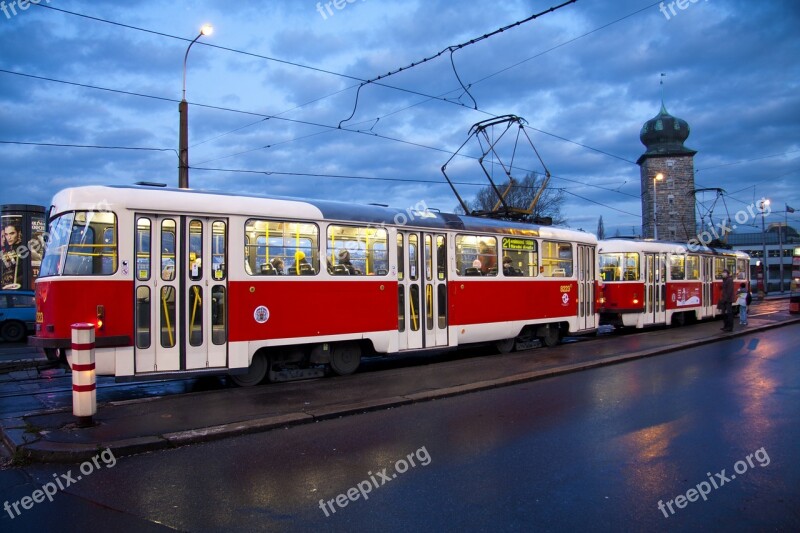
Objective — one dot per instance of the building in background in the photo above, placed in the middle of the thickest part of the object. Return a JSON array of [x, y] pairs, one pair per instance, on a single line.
[[753, 245], [667, 202]]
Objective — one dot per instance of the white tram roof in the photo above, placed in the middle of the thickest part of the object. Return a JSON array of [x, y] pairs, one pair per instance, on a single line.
[[148, 199], [649, 245]]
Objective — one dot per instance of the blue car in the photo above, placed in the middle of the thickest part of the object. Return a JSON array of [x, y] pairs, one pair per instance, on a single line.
[[17, 314]]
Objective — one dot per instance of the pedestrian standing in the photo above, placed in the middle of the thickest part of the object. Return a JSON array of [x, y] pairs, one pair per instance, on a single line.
[[741, 301], [726, 301]]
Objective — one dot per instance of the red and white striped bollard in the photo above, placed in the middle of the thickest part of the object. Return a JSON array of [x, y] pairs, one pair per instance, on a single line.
[[84, 387]]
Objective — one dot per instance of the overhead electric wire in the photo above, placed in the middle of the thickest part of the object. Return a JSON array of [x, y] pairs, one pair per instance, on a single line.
[[427, 97], [96, 146]]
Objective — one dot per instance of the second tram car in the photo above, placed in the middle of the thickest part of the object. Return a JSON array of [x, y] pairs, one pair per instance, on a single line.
[[644, 283], [189, 282]]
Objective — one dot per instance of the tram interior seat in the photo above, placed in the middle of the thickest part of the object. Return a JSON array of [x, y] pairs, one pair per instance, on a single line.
[[512, 271], [306, 270], [630, 275], [381, 272], [472, 271], [268, 270], [340, 270], [559, 272]]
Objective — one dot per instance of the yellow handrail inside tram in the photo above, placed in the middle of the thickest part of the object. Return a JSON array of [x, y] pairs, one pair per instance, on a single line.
[[166, 317]]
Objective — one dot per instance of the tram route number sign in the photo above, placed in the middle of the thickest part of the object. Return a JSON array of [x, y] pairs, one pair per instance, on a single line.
[[522, 245]]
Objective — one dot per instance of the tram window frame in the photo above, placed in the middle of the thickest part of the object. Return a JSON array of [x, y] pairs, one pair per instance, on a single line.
[[169, 249], [719, 266], [692, 267], [677, 267], [441, 257], [196, 250], [360, 243], [471, 247], [742, 268], [619, 266], [730, 264], [560, 265], [142, 249], [74, 262], [524, 262], [219, 250], [268, 239]]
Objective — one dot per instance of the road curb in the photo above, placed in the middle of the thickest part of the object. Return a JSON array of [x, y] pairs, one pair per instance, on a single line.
[[17, 435]]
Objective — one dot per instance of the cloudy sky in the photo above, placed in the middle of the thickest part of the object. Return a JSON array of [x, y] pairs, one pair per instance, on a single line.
[[267, 98]]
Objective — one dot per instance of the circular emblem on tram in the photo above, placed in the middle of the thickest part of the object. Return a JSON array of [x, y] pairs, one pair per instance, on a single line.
[[261, 314], [565, 298]]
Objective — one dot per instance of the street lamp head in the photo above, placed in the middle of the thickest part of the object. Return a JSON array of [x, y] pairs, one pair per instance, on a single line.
[[659, 176], [206, 29]]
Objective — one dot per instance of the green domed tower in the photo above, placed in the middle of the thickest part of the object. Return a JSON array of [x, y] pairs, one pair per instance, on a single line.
[[667, 173]]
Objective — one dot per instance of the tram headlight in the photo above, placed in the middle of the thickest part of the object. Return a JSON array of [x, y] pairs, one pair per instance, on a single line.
[[101, 315]]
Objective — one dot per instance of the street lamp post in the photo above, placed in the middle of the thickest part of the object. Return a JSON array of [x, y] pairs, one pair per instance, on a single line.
[[658, 177], [765, 267], [183, 111]]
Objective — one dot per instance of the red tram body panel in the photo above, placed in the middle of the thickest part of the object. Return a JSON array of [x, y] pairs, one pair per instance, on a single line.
[[184, 282]]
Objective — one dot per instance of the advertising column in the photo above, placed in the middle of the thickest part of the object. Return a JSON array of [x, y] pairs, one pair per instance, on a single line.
[[22, 229]]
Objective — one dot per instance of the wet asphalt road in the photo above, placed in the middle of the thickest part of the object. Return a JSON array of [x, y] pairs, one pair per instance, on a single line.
[[594, 450]]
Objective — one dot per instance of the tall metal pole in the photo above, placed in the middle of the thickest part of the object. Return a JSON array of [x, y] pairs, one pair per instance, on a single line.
[[658, 177], [655, 210], [183, 111], [765, 266], [780, 248]]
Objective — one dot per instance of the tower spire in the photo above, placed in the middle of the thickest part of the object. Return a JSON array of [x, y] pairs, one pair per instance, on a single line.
[[661, 83]]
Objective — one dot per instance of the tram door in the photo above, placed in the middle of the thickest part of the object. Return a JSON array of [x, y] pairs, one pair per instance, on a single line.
[[422, 290], [655, 290], [205, 294], [708, 285], [586, 275], [181, 293]]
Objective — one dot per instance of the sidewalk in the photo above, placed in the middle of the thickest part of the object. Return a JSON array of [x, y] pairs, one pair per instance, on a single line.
[[135, 426]]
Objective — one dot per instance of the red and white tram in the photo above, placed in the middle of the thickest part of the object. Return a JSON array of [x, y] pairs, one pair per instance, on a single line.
[[647, 283], [182, 281]]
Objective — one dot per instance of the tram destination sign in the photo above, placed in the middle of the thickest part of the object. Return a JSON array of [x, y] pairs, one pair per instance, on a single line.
[[523, 245]]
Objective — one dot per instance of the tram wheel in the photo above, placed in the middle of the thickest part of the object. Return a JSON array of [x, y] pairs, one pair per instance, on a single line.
[[679, 319], [552, 336], [255, 374], [505, 345], [345, 359]]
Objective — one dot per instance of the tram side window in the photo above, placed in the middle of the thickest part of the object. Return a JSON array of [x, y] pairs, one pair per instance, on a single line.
[[730, 264], [719, 266], [91, 250], [619, 266], [218, 250], [143, 226], [274, 248], [556, 259], [742, 269], [692, 267], [677, 267], [524, 257], [357, 251], [476, 255]]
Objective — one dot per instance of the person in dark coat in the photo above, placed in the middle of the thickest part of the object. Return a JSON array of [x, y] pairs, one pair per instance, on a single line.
[[726, 301]]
